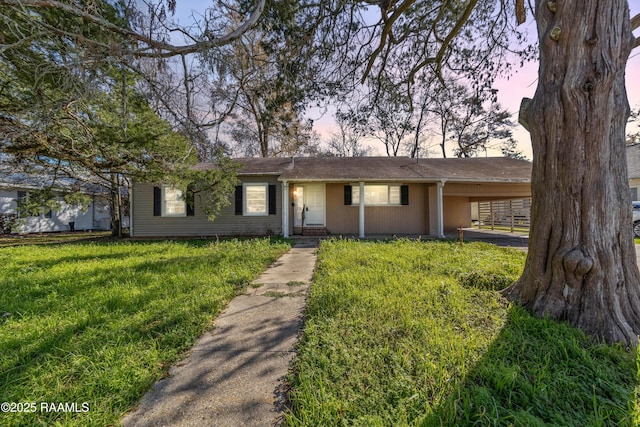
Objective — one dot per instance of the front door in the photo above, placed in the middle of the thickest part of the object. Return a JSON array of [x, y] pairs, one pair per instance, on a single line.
[[309, 202]]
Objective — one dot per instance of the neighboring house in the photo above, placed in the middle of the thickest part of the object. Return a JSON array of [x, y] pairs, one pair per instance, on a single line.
[[16, 185], [633, 169], [339, 196]]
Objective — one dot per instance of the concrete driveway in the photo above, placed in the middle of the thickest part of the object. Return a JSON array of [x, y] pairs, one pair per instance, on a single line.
[[501, 238]]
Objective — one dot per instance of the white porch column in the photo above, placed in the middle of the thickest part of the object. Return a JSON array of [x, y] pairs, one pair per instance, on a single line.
[[285, 209], [361, 210], [439, 205]]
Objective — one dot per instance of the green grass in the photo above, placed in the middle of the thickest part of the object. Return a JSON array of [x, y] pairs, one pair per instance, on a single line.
[[100, 322], [415, 333], [51, 238]]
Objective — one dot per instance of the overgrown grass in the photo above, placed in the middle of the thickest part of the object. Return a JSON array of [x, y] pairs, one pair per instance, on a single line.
[[415, 333], [51, 238], [100, 322]]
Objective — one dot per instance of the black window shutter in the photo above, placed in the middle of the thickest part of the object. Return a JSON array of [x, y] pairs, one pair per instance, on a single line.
[[404, 194], [238, 199], [347, 195], [190, 199], [272, 199], [157, 202]]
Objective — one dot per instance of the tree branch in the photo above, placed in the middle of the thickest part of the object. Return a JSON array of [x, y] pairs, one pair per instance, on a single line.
[[18, 43], [521, 14], [386, 31], [635, 24], [445, 44], [154, 48]]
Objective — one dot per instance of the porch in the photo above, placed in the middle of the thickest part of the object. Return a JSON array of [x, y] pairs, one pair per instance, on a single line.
[[358, 208], [365, 208]]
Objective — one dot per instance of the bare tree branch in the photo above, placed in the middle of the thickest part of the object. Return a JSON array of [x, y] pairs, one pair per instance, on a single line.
[[635, 24], [521, 14], [153, 48], [386, 32], [445, 44], [21, 42]]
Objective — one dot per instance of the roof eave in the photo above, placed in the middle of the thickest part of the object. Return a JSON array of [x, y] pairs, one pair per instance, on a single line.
[[412, 180]]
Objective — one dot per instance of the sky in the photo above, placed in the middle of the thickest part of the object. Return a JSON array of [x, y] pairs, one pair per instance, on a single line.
[[520, 84]]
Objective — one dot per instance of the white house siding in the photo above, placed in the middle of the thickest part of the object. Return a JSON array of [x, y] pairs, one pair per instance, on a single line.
[[227, 223], [8, 201], [95, 218]]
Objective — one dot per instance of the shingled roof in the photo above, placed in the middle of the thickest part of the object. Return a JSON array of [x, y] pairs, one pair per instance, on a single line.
[[475, 169], [38, 178]]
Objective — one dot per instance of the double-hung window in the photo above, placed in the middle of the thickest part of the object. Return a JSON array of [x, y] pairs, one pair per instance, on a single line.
[[173, 202], [256, 199], [377, 195]]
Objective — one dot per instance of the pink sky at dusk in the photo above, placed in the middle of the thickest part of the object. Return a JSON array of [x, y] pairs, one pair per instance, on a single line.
[[523, 83]]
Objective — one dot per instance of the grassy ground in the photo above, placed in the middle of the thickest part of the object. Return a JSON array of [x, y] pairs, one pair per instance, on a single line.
[[415, 333], [100, 322], [7, 240]]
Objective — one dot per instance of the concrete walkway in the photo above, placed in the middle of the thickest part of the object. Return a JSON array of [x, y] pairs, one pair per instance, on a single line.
[[234, 375]]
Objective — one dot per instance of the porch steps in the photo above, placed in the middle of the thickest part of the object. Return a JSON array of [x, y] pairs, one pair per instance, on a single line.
[[314, 231]]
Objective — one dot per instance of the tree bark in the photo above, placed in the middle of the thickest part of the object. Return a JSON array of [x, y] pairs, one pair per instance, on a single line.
[[116, 207], [581, 265]]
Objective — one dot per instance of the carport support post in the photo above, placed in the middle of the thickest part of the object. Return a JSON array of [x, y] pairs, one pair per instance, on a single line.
[[361, 210], [285, 209], [439, 208]]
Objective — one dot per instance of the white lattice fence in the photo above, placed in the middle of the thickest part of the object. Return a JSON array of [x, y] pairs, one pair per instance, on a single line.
[[501, 214]]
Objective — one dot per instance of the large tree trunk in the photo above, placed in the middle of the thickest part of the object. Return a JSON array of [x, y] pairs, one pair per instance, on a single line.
[[581, 265]]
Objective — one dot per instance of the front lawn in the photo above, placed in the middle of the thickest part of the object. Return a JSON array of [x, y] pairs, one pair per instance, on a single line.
[[415, 333], [51, 238], [94, 325]]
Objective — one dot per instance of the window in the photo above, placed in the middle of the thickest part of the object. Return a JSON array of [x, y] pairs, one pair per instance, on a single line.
[[255, 197], [380, 195], [173, 203]]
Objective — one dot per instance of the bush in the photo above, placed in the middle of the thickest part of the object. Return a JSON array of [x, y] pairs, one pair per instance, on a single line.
[[8, 223]]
